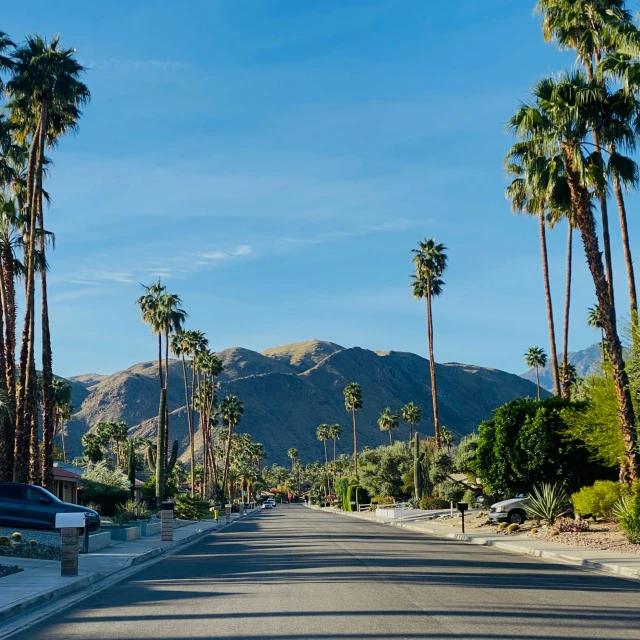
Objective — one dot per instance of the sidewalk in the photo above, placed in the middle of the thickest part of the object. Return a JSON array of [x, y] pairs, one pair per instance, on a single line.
[[41, 582], [611, 562]]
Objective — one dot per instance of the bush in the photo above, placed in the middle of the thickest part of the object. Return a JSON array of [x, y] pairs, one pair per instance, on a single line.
[[597, 500], [5, 541], [16, 537], [566, 525], [470, 498], [547, 503], [451, 491], [434, 503], [149, 489], [101, 474], [190, 508], [512, 527], [105, 497], [33, 543], [627, 514]]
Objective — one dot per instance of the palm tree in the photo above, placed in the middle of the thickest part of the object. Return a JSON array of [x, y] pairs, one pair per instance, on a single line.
[[593, 29], [411, 414], [231, 410], [569, 373], [535, 357], [536, 178], [293, 455], [335, 431], [430, 262], [322, 434], [388, 421], [594, 320], [46, 94], [560, 120], [6, 58], [352, 402], [448, 437], [150, 310], [63, 409]]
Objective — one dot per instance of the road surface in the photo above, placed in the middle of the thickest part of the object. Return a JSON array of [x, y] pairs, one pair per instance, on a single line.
[[296, 573]]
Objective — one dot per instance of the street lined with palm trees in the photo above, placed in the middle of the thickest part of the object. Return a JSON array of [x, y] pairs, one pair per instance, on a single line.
[[297, 573]]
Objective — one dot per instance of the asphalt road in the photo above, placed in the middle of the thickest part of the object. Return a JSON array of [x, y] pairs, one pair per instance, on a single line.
[[294, 573]]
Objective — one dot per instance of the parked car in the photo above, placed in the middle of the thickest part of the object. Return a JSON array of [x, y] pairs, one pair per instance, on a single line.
[[511, 511], [267, 505], [27, 505], [272, 502]]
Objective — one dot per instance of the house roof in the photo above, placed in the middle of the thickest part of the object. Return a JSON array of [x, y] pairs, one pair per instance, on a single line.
[[63, 474]]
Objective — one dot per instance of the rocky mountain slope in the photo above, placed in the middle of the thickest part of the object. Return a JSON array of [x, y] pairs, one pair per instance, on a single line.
[[587, 361], [289, 390]]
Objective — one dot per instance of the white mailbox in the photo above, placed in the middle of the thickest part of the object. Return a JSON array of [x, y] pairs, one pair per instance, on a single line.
[[70, 520]]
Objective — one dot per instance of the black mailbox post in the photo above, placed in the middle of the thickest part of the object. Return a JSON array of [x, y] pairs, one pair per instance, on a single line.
[[462, 507]]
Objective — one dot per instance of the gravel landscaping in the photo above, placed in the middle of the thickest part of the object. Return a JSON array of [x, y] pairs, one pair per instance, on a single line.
[[48, 538]]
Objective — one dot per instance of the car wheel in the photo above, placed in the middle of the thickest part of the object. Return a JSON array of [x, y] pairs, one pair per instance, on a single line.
[[517, 516]]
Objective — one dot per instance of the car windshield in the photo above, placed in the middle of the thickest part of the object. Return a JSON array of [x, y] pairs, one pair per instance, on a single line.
[[49, 495]]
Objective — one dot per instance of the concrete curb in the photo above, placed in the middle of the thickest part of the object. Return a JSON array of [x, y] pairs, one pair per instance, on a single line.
[[559, 557]]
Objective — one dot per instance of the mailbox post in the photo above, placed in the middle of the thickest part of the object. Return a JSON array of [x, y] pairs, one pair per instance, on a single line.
[[227, 512], [69, 525], [166, 519], [462, 507]]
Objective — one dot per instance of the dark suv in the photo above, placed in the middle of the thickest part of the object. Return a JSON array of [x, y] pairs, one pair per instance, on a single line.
[[25, 505]]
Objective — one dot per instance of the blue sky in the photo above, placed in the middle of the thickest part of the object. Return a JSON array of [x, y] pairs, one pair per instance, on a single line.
[[275, 161]]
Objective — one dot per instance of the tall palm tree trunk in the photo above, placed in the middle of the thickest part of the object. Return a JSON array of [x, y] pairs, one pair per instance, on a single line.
[[35, 468], [355, 443], [64, 448], [432, 369], [7, 294], [538, 381], [581, 205], [567, 306], [192, 448], [166, 386], [626, 247], [227, 455], [326, 457], [390, 437], [6, 430], [23, 422], [547, 295], [47, 365]]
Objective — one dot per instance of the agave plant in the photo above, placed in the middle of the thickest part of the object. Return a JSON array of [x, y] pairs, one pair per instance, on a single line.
[[547, 503], [627, 515]]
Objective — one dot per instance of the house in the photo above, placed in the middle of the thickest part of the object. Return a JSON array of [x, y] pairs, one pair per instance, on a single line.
[[65, 484]]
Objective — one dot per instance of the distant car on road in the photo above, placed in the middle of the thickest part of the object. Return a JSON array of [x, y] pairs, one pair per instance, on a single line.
[[272, 502], [511, 511], [25, 505], [267, 505]]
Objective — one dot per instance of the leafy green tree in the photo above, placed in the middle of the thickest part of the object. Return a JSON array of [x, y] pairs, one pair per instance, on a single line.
[[383, 468], [464, 460], [352, 403], [430, 262], [527, 442], [535, 357], [411, 414], [388, 421]]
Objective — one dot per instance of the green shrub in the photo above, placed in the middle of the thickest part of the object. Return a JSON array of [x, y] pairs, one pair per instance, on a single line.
[[190, 508], [33, 543], [597, 500], [627, 514], [105, 497], [547, 503], [382, 500], [149, 489], [470, 498], [450, 491], [512, 527], [16, 536], [5, 541], [434, 503]]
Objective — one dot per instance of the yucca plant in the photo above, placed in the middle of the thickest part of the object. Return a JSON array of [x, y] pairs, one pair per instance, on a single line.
[[627, 514], [547, 503]]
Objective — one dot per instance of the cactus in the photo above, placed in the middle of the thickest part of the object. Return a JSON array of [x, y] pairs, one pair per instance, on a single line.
[[512, 527], [417, 468]]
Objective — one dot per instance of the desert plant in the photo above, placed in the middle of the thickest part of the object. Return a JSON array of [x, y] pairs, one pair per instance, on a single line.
[[189, 507], [5, 541], [120, 518], [627, 514], [33, 543], [554, 532], [513, 527], [597, 500], [567, 525], [16, 536], [547, 503], [502, 526], [534, 530]]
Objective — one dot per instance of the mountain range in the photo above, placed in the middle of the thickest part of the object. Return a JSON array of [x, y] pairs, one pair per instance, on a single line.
[[587, 362], [289, 390]]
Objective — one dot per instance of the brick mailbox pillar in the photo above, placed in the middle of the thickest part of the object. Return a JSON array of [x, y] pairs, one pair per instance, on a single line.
[[227, 512], [69, 525], [166, 529]]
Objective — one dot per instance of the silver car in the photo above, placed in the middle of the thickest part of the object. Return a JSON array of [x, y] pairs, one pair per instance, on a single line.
[[511, 511]]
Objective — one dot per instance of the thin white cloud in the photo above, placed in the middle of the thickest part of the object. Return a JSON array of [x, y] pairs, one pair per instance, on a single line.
[[220, 254], [133, 64]]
